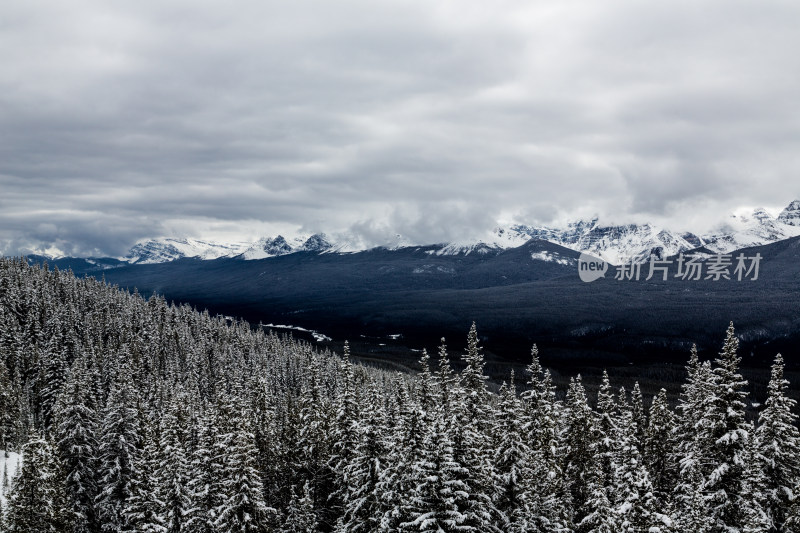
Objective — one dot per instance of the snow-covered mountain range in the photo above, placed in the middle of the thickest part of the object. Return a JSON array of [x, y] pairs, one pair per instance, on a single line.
[[614, 243], [620, 243], [169, 249], [164, 250]]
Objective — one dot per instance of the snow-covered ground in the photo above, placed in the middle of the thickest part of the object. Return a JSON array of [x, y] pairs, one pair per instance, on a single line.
[[551, 257], [319, 337], [10, 461]]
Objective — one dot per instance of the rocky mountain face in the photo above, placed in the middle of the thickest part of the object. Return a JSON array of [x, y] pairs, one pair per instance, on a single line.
[[616, 244], [791, 215], [168, 249], [316, 243], [267, 247], [621, 243]]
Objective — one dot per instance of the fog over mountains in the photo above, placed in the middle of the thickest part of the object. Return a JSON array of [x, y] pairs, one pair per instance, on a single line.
[[614, 243]]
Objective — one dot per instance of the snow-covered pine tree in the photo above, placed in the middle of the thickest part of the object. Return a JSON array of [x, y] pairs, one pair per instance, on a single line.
[[660, 441], [693, 450], [600, 516], [427, 386], [7, 412], [724, 427], [364, 504], [314, 438], [119, 439], [53, 369], [173, 472], [757, 519], [35, 498], [778, 442], [693, 513], [144, 510], [301, 517], [446, 381], [696, 393], [512, 464], [440, 502], [638, 411], [243, 509], [578, 447], [278, 428], [407, 463], [632, 490], [473, 380], [345, 431], [606, 428], [76, 430], [204, 489], [475, 413], [548, 503]]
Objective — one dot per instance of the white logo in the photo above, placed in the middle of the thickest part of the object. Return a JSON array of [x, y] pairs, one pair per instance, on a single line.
[[591, 268]]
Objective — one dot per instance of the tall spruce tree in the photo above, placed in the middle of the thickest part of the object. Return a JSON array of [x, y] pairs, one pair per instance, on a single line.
[[174, 472], [118, 448], [470, 437], [658, 456], [633, 496], [548, 501], [694, 445], [578, 445], [301, 517], [512, 464], [204, 487], [440, 502], [724, 427], [314, 439], [638, 412], [35, 502], [364, 501], [778, 446], [243, 509], [144, 509], [76, 437], [605, 427]]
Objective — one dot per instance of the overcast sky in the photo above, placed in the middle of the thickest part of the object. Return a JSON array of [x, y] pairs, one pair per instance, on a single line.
[[433, 119]]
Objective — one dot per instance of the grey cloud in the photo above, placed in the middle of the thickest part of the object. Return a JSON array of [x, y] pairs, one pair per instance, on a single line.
[[122, 122]]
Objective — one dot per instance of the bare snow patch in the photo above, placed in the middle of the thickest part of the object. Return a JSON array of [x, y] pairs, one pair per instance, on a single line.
[[11, 461], [552, 257], [319, 337]]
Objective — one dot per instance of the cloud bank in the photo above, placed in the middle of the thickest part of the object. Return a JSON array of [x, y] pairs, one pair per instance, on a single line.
[[123, 121]]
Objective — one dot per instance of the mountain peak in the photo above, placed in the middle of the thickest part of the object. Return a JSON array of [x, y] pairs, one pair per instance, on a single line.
[[316, 243], [268, 247], [760, 214], [791, 215]]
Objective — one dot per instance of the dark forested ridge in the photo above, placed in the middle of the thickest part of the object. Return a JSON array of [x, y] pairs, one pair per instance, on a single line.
[[135, 415], [515, 296]]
